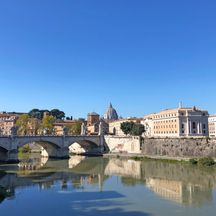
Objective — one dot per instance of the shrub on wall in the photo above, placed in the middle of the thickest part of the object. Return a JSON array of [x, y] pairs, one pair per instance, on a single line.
[[206, 161]]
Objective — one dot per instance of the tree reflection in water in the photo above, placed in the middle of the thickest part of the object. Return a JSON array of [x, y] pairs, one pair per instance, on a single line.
[[179, 183]]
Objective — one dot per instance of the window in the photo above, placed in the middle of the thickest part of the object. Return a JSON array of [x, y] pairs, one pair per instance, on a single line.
[[182, 126], [204, 126], [194, 125]]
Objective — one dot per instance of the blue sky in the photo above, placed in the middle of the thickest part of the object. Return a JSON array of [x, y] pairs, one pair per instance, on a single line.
[[78, 55]]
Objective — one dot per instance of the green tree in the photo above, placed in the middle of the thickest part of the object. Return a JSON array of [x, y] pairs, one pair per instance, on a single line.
[[131, 128], [23, 124], [25, 149], [74, 129], [35, 113], [34, 125], [127, 127], [58, 114], [47, 124], [137, 130], [39, 114]]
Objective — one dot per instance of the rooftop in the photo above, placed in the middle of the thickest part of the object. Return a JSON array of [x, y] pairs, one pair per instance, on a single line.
[[93, 113]]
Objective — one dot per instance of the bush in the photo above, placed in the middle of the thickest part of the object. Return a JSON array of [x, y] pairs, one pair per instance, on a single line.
[[136, 158], [25, 149], [193, 161], [206, 161]]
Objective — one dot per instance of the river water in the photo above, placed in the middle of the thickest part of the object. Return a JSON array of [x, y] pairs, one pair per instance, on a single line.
[[102, 186]]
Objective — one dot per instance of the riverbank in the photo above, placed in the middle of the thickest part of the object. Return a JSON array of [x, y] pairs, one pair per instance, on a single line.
[[132, 155], [205, 161]]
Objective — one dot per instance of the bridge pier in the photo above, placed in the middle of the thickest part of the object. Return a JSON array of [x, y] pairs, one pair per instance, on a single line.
[[59, 153], [12, 156]]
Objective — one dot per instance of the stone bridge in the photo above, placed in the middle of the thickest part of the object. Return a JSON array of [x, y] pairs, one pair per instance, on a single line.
[[52, 146]]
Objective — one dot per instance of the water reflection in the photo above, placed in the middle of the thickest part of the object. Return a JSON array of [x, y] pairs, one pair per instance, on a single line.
[[178, 183], [75, 160], [4, 192], [31, 164]]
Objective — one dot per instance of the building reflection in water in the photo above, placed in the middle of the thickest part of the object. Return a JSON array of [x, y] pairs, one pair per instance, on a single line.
[[171, 190], [180, 192], [183, 184]]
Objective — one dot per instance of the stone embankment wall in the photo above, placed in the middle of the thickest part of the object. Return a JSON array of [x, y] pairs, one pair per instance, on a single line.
[[179, 147], [123, 144]]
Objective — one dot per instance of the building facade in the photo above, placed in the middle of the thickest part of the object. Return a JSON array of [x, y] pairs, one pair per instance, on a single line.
[[93, 124], [7, 121], [212, 126], [180, 122], [73, 126], [93, 121]]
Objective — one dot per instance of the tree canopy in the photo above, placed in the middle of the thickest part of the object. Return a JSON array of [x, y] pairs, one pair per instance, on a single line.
[[23, 124], [48, 124], [131, 128], [37, 113], [74, 129], [58, 114], [27, 125]]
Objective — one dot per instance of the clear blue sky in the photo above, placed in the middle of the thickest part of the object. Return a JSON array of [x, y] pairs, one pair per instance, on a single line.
[[78, 55]]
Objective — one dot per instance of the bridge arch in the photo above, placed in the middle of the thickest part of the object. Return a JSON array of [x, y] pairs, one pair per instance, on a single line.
[[83, 147], [3, 154], [48, 148], [52, 146]]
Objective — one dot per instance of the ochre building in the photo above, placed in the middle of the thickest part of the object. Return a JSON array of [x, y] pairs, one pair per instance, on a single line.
[[7, 121], [177, 123], [212, 126]]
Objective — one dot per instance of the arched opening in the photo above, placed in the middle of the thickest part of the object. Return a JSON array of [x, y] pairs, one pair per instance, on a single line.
[[3, 154], [34, 155], [84, 147]]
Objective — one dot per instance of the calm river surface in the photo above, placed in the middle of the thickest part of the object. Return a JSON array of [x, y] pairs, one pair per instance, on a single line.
[[101, 186]]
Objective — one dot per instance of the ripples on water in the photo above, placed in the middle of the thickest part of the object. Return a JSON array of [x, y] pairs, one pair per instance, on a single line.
[[101, 186]]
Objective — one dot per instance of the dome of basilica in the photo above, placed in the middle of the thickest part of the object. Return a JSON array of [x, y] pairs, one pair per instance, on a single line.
[[111, 113]]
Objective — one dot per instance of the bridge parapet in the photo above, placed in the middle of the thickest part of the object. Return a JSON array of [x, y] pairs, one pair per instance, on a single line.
[[52, 145]]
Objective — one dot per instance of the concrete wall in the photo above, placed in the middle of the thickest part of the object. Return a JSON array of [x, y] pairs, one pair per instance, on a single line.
[[123, 144], [179, 147]]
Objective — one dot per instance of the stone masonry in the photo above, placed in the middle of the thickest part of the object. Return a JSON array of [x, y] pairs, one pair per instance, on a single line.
[[179, 147]]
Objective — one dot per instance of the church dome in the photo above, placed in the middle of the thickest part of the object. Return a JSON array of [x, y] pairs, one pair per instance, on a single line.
[[111, 113]]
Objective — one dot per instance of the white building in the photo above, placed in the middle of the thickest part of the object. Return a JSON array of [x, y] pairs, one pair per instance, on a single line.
[[179, 122]]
